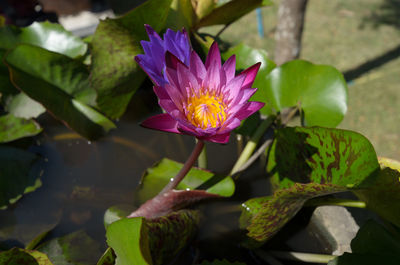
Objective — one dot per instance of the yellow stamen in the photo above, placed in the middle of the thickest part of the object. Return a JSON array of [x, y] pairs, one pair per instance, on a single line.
[[206, 110]]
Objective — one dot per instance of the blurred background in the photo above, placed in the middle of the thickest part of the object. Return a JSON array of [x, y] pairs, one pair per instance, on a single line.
[[360, 37]]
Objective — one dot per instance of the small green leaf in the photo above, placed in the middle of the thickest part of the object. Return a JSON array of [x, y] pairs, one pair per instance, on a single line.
[[108, 258], [18, 175], [384, 195], [229, 12], [58, 83], [23, 106], [155, 241], [265, 216], [49, 36], [27, 224], [322, 155], [13, 128], [75, 248], [181, 15], [115, 74], [128, 238], [169, 234], [157, 177], [116, 212], [17, 256], [319, 90], [372, 245]]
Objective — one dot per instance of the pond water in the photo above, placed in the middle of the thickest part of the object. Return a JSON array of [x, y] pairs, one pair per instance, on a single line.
[[81, 179]]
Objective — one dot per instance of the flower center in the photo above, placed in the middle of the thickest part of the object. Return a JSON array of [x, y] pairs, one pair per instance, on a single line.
[[205, 110]]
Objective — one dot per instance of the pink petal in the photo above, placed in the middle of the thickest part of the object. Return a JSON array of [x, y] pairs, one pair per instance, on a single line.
[[212, 79], [229, 125], [163, 122], [248, 109], [250, 73], [168, 105], [244, 95], [213, 57], [233, 87], [160, 92], [229, 68], [219, 138], [197, 66], [171, 61]]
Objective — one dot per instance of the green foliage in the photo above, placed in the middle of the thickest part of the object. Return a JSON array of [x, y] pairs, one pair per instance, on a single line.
[[75, 248], [155, 178], [321, 155], [49, 36], [265, 216], [129, 239], [63, 84], [372, 245], [114, 72], [23, 106], [18, 175], [320, 91], [229, 12], [155, 241], [384, 195], [12, 128], [181, 15], [17, 256], [325, 160]]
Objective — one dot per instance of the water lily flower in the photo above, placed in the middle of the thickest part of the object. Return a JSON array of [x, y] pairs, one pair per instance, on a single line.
[[153, 59], [204, 100]]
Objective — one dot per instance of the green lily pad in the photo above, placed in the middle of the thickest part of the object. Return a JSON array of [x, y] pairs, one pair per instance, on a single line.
[[23, 106], [114, 73], [155, 241], [17, 256], [372, 245], [384, 195], [320, 91], [230, 12], [155, 178], [306, 163], [263, 217], [322, 155], [18, 175], [13, 128], [74, 248], [61, 85], [47, 35], [181, 15], [116, 212], [129, 239]]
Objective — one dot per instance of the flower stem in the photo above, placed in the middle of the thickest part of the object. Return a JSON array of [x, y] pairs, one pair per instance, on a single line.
[[202, 160], [185, 169], [304, 257], [252, 144], [336, 202]]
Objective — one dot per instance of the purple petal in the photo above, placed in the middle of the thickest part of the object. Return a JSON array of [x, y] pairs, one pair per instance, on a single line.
[[229, 125], [213, 57], [163, 122], [219, 138], [229, 68], [250, 73], [248, 109], [233, 87], [197, 67]]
